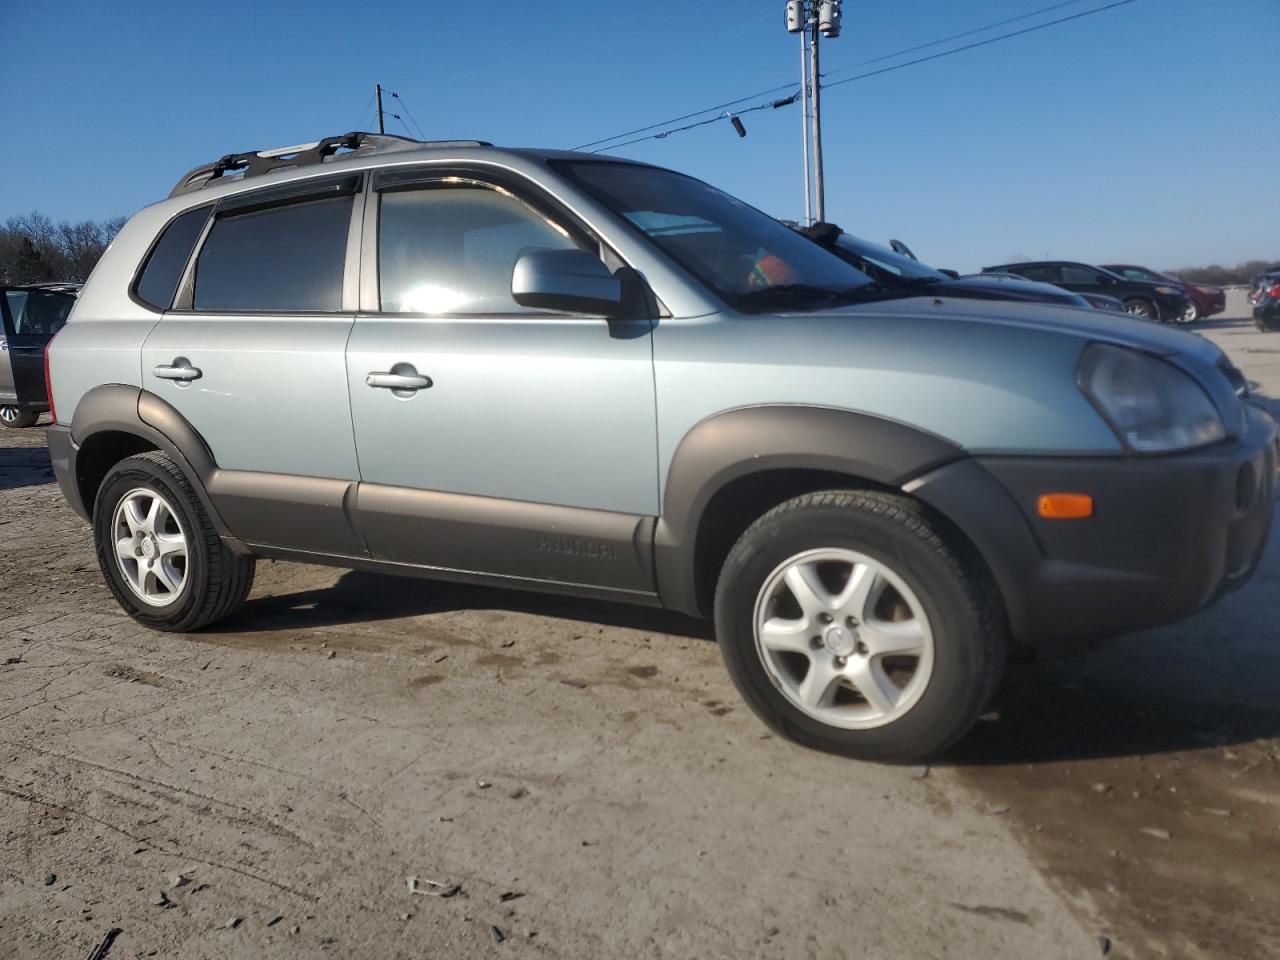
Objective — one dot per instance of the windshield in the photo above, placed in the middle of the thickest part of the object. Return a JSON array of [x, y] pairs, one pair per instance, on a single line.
[[889, 260], [745, 256]]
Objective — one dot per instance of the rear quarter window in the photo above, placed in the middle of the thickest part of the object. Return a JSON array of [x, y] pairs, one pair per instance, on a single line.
[[160, 276]]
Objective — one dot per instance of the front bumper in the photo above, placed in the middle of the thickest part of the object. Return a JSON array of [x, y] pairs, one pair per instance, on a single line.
[[1168, 535]]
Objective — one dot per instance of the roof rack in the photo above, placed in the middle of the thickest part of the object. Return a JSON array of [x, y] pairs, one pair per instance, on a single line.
[[257, 162]]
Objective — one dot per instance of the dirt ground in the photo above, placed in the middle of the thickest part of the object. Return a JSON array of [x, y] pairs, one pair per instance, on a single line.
[[581, 780]]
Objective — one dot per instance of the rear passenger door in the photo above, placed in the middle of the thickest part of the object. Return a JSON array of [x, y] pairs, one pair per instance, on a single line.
[[251, 353], [1083, 279], [524, 443]]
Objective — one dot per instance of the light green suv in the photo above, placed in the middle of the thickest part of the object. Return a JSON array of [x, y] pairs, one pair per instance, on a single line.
[[558, 372]]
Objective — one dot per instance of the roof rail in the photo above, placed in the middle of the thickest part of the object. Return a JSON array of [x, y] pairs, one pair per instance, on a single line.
[[257, 162]]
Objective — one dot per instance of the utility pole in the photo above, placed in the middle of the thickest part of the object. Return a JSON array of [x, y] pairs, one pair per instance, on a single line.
[[815, 85], [377, 92], [812, 19], [804, 130]]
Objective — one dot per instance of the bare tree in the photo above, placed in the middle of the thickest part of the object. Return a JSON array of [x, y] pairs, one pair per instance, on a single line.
[[34, 249]]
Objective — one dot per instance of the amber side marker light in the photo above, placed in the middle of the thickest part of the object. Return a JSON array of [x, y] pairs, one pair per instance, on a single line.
[[1066, 506]]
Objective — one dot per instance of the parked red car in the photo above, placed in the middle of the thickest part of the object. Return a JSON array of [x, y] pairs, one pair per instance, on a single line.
[[1205, 300]]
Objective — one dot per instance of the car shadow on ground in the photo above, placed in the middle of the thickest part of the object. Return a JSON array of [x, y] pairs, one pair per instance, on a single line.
[[359, 596], [1047, 713], [24, 467]]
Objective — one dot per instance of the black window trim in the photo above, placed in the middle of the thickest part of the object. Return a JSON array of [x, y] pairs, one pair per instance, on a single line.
[[525, 191], [254, 201], [151, 249]]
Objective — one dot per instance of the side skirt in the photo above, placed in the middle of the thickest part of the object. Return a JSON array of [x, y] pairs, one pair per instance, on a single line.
[[637, 597]]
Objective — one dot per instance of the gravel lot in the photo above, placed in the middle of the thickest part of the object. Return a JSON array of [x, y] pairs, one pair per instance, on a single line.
[[583, 780]]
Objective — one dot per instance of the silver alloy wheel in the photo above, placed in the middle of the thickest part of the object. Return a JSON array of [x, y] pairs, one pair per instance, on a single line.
[[1192, 313], [1139, 309], [150, 547], [9, 414], [843, 638]]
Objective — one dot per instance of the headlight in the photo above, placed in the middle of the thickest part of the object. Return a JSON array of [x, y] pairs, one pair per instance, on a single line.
[[1168, 291], [1153, 406]]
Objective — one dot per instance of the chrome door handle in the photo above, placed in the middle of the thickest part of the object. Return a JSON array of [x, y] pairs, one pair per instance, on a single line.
[[180, 369], [398, 381]]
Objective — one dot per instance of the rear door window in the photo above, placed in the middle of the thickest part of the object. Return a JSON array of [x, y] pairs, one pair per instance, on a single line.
[[1081, 276], [282, 259], [159, 280], [1041, 274]]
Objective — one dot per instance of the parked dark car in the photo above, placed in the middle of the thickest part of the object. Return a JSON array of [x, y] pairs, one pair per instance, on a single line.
[[31, 315], [1206, 300], [1262, 283], [1153, 301], [895, 269], [1266, 312]]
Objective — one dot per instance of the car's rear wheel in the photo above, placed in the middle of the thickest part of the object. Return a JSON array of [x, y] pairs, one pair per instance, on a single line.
[[1192, 313], [15, 417], [852, 623], [1142, 308], [160, 555]]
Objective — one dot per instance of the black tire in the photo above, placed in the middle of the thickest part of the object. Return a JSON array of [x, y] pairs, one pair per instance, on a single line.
[[965, 618], [15, 418], [1143, 309], [217, 581]]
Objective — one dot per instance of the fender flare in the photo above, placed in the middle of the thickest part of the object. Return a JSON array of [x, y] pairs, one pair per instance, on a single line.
[[120, 408], [751, 440]]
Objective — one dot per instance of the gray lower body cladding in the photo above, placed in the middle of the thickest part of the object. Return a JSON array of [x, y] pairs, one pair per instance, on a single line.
[[1168, 535]]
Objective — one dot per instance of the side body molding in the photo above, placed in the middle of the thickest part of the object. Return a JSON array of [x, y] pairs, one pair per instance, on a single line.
[[746, 441]]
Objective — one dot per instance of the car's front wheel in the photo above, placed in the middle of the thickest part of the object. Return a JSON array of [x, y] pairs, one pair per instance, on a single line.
[[1192, 313], [158, 551], [852, 623], [16, 417], [1143, 309]]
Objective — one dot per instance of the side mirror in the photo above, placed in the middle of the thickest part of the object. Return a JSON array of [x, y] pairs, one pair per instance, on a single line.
[[568, 281], [953, 274], [1105, 280]]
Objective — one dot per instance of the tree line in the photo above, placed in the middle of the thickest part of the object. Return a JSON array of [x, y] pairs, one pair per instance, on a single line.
[[34, 249], [1226, 276]]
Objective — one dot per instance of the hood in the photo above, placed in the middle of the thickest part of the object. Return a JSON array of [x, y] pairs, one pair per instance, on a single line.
[[1070, 321], [998, 288]]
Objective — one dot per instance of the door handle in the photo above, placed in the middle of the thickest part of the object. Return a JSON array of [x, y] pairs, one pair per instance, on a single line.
[[398, 381], [180, 369]]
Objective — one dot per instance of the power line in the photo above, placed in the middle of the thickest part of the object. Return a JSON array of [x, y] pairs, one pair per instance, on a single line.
[[786, 101], [396, 96], [862, 76], [360, 122], [954, 36], [983, 43], [688, 116]]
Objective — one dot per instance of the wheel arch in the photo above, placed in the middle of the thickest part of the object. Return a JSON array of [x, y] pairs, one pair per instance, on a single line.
[[115, 421], [734, 466]]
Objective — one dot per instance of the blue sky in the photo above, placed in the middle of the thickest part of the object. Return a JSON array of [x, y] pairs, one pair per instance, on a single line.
[[1148, 133]]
